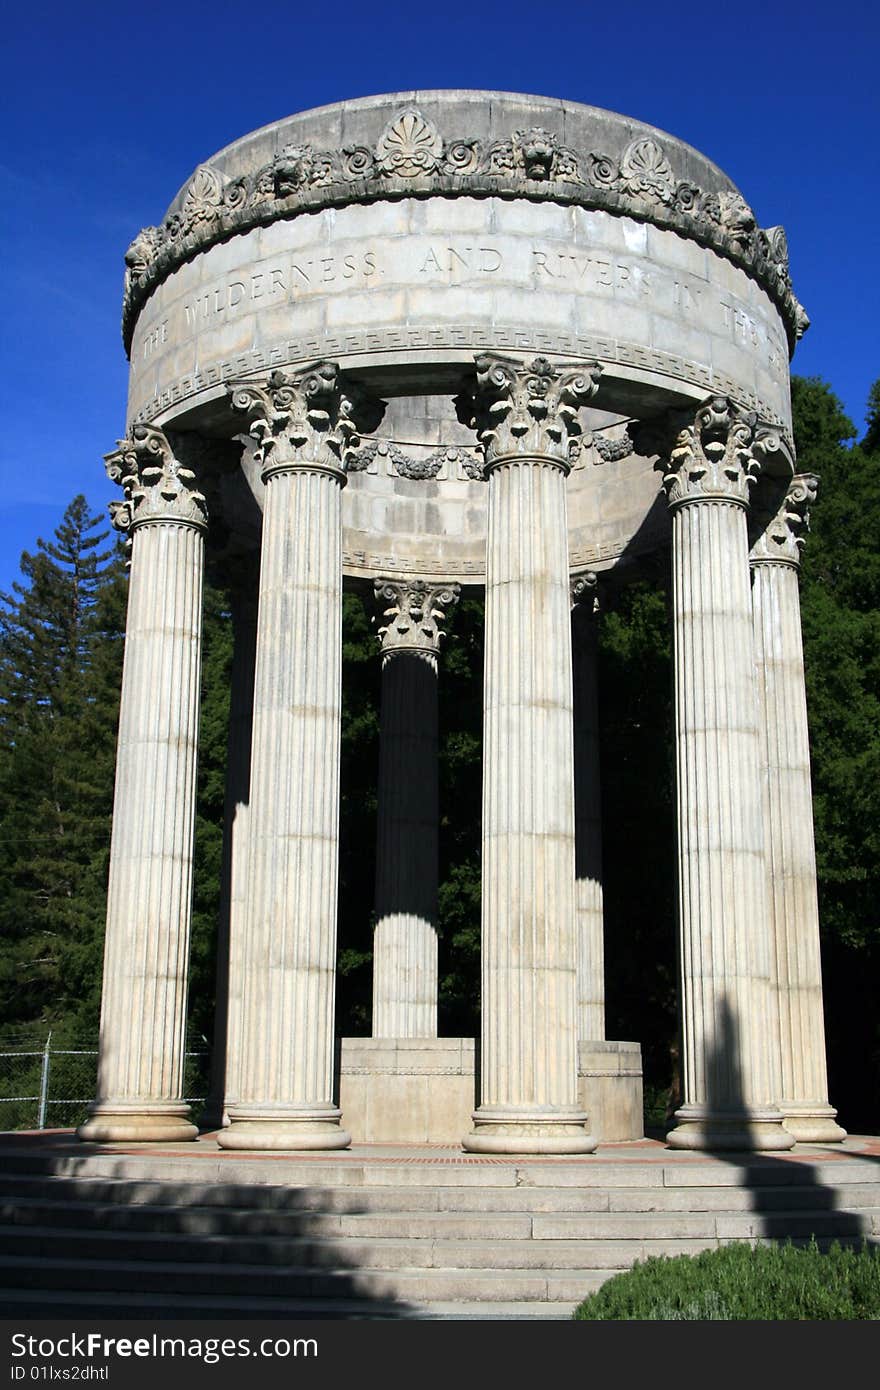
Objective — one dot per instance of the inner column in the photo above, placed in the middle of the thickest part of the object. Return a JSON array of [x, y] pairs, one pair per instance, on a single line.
[[405, 938], [524, 415], [587, 809]]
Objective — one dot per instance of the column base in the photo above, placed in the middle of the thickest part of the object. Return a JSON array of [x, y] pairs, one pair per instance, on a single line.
[[812, 1124], [747, 1131], [137, 1122], [509, 1129], [255, 1126]]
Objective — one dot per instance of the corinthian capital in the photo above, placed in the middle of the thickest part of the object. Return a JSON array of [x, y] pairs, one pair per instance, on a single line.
[[780, 524], [526, 409], [414, 613], [156, 485], [716, 454], [310, 419]]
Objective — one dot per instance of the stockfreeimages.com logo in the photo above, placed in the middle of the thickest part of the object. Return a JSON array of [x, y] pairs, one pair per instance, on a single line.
[[90, 1346]]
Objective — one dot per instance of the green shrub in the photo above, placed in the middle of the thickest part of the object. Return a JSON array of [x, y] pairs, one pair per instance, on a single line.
[[765, 1282]]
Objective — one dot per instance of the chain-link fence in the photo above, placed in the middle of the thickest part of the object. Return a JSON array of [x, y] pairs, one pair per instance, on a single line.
[[52, 1088]]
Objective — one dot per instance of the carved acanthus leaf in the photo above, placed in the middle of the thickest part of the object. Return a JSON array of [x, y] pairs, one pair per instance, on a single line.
[[710, 455], [530, 409], [780, 524], [414, 611], [311, 418], [156, 484]]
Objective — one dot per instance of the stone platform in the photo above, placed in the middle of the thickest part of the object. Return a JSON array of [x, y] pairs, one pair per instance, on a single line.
[[389, 1231]]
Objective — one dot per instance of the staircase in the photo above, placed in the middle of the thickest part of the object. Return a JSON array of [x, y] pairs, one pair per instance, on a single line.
[[407, 1233]]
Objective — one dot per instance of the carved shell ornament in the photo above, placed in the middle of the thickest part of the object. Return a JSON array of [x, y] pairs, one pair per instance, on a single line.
[[409, 146], [531, 163], [204, 197], [645, 170]]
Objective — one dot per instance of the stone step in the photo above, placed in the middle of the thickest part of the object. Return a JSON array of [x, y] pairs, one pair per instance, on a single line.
[[424, 1171], [157, 1307], [230, 1231], [296, 1284], [517, 1198], [332, 1218], [560, 1245], [347, 1253], [207, 1222]]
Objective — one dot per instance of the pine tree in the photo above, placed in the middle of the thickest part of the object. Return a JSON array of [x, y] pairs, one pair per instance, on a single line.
[[840, 604], [60, 658]]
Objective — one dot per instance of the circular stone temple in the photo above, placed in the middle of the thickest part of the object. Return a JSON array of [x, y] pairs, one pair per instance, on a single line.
[[425, 343]]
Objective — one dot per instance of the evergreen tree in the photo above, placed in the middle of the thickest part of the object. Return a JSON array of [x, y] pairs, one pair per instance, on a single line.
[[840, 603], [60, 658]]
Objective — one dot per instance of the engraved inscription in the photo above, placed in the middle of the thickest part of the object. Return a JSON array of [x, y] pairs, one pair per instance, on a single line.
[[594, 272], [449, 260], [155, 338], [686, 297], [748, 333], [280, 283]]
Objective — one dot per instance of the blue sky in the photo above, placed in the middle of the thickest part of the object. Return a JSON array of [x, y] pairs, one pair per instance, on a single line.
[[110, 106]]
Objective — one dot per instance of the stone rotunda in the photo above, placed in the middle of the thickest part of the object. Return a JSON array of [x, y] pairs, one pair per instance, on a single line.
[[423, 344]]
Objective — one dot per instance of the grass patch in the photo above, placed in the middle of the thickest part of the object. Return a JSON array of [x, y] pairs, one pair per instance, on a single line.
[[736, 1282]]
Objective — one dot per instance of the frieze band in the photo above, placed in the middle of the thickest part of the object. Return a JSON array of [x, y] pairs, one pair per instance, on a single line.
[[412, 156]]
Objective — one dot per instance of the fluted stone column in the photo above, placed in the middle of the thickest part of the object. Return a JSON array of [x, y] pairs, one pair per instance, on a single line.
[[300, 431], [525, 415], [149, 908], [788, 812], [587, 813], [405, 938], [243, 577], [730, 1053]]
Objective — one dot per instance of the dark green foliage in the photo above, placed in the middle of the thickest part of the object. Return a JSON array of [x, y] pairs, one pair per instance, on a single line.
[[461, 731], [60, 661], [357, 820], [740, 1282], [840, 606], [210, 797], [637, 751]]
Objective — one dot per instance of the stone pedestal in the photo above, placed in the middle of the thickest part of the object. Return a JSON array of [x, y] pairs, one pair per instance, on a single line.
[[730, 1054], [788, 816], [529, 1103], [405, 938], [300, 429], [587, 813], [421, 1090], [143, 1011]]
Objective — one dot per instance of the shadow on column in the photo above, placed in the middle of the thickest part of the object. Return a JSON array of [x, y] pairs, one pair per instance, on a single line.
[[786, 1194]]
